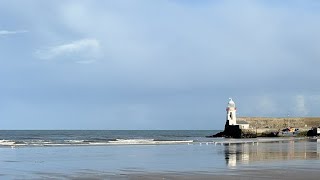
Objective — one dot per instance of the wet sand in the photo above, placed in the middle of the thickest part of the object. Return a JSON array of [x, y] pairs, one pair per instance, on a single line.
[[282, 159], [256, 174], [292, 174]]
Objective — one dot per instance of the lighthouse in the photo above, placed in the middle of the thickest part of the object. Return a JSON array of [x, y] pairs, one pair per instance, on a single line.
[[231, 113], [235, 128]]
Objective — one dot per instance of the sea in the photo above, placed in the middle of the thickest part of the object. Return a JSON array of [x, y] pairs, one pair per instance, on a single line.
[[36, 138], [117, 154]]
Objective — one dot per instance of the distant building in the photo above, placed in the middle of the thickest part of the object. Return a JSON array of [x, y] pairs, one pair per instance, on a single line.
[[243, 124], [232, 118]]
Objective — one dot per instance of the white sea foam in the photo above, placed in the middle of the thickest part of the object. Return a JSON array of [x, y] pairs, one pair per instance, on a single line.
[[6, 143], [99, 143], [74, 141], [255, 140], [146, 142], [139, 142]]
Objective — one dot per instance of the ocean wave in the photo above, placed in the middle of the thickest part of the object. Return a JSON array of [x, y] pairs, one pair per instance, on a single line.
[[6, 142], [74, 141], [147, 141], [35, 143]]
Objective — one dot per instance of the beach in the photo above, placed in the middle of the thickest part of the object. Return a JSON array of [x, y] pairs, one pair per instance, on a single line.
[[260, 174], [207, 158]]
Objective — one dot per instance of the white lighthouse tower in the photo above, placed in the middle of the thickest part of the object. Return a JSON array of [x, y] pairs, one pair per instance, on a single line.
[[231, 112]]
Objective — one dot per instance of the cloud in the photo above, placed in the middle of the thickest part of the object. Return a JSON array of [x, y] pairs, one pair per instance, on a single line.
[[264, 53], [195, 45], [83, 51], [6, 32]]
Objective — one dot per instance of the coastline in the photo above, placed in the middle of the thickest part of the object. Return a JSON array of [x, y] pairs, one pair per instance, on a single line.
[[221, 158]]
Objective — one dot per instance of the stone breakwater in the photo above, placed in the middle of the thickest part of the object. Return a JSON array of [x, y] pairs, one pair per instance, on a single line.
[[269, 126], [280, 122]]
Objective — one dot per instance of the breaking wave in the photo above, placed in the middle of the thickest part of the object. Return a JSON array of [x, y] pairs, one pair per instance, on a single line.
[[91, 142], [148, 141], [50, 138]]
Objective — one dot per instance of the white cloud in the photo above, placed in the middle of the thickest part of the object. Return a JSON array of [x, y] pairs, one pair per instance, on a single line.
[[195, 46], [6, 32], [81, 51], [169, 52]]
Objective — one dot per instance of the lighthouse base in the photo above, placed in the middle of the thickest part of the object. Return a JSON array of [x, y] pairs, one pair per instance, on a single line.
[[234, 131]]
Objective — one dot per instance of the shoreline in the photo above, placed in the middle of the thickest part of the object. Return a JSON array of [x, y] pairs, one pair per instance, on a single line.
[[277, 158]]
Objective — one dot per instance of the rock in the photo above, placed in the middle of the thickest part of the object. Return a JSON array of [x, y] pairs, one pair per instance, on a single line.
[[312, 132], [220, 134]]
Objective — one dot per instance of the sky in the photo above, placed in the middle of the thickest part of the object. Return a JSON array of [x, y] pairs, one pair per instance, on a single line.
[[161, 64]]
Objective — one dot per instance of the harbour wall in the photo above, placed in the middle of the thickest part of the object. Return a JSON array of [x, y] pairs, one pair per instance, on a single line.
[[265, 123]]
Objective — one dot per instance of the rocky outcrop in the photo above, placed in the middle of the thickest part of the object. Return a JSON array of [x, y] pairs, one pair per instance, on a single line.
[[234, 131]]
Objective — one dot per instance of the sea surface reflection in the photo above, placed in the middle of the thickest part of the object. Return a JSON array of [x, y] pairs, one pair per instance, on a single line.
[[246, 153]]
